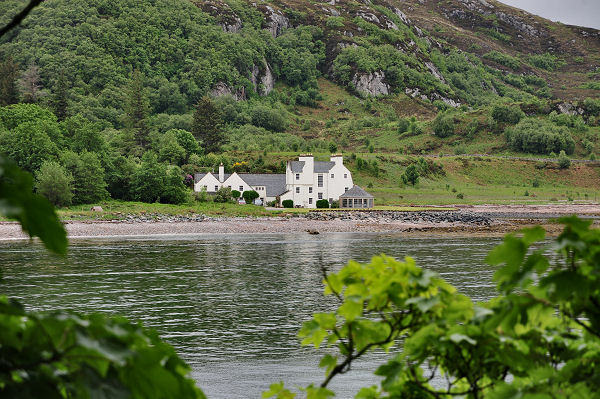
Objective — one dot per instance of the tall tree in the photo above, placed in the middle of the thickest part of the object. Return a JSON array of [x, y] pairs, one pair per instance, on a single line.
[[9, 72], [30, 84], [61, 95], [208, 125], [137, 109]]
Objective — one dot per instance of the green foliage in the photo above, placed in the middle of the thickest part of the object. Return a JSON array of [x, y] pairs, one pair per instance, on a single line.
[[443, 125], [503, 59], [137, 108], [88, 176], [410, 175], [287, 203], [334, 22], [322, 204], [208, 125], [235, 194], [333, 147], [546, 61], [148, 179], [9, 72], [268, 118], [403, 125], [507, 114], [170, 150], [539, 337], [249, 196], [35, 214], [592, 106], [563, 160], [223, 195], [55, 183], [540, 137]]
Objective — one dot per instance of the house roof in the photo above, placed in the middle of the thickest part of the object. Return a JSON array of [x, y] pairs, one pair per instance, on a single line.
[[356, 192], [199, 176], [297, 166], [274, 183], [319, 166]]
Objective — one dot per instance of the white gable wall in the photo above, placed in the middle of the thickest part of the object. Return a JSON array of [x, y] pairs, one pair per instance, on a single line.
[[210, 181]]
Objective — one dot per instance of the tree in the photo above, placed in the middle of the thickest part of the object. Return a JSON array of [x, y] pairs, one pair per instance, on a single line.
[[149, 179], [563, 160], [507, 114], [410, 175], [29, 144], [249, 196], [235, 194], [55, 183], [9, 72], [174, 191], [223, 195], [88, 176], [137, 108], [208, 125], [443, 125], [539, 338], [83, 134], [170, 149], [30, 84], [187, 141], [323, 204], [60, 96]]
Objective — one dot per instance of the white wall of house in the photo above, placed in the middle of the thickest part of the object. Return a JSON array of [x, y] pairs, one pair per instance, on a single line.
[[236, 183], [306, 187], [209, 181]]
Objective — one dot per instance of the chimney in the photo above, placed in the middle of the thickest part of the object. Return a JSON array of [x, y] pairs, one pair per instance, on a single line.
[[337, 158], [221, 173], [309, 162]]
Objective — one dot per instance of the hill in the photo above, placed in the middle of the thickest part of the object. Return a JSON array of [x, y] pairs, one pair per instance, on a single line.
[[366, 77]]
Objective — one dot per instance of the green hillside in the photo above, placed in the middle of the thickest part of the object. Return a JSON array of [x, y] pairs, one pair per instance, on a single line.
[[114, 85]]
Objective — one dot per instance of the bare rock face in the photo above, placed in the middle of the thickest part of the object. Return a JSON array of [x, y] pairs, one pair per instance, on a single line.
[[223, 89], [416, 93], [262, 79], [371, 84], [233, 26], [569, 109], [435, 72], [276, 21]]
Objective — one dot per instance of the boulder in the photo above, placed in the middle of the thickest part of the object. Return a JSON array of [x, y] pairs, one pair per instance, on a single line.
[[371, 84]]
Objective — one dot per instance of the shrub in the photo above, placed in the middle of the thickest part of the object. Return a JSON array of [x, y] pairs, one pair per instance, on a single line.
[[322, 204], [443, 125], [268, 118], [202, 195], [410, 175], [235, 194], [403, 125], [55, 183], [460, 196], [563, 160], [249, 196], [335, 204], [223, 195], [332, 147], [540, 137], [507, 113], [546, 61], [287, 203], [335, 22], [503, 59]]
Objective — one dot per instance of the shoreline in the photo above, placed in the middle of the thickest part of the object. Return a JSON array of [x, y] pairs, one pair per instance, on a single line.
[[476, 221]]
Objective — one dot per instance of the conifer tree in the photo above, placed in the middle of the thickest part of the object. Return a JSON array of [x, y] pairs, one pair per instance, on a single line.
[[137, 109], [9, 72], [208, 125], [61, 95], [31, 85]]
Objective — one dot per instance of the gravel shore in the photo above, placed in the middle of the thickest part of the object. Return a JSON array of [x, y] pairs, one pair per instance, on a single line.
[[486, 220]]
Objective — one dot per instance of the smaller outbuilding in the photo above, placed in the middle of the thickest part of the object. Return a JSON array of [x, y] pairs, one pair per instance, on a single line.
[[356, 197]]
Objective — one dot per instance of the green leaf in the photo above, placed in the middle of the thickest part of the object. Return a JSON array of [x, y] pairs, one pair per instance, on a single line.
[[328, 362], [458, 338], [278, 391], [351, 309]]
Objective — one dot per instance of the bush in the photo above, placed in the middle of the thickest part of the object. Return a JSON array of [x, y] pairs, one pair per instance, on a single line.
[[546, 61], [507, 114], [335, 204], [249, 196], [223, 195], [235, 194], [287, 204], [322, 204], [460, 196], [410, 175], [563, 160], [443, 125], [503, 59], [403, 125], [55, 183], [268, 118], [539, 137]]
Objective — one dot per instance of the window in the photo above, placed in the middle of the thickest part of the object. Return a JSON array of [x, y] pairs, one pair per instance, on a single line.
[[310, 190], [241, 188], [320, 181], [345, 175], [297, 176], [345, 189], [310, 200], [320, 195], [332, 175], [205, 187], [216, 188], [297, 190], [229, 186]]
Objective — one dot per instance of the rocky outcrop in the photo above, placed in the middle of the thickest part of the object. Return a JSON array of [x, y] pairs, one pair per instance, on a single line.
[[223, 89], [569, 109], [233, 26], [371, 84], [276, 21], [262, 79], [416, 93], [435, 72]]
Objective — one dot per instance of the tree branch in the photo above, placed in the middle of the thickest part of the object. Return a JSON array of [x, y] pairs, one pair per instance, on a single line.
[[20, 16]]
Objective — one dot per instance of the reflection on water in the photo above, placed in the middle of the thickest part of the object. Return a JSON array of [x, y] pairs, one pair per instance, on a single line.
[[230, 304]]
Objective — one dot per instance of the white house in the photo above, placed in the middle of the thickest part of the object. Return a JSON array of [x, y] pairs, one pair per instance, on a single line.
[[305, 181]]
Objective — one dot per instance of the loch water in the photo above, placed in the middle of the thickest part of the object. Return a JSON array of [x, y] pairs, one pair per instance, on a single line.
[[231, 305]]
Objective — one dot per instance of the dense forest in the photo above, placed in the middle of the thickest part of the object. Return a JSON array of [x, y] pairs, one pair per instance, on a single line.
[[129, 99]]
